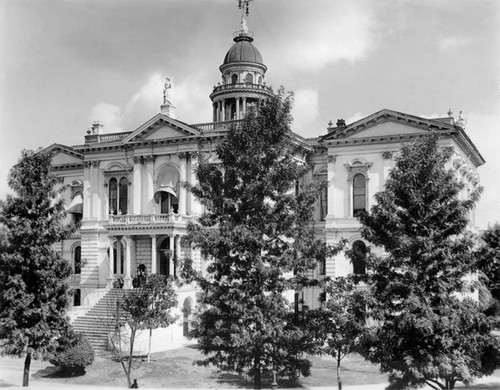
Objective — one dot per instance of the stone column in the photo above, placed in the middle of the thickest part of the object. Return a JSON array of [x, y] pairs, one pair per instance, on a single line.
[[219, 111], [223, 110], [331, 159], [87, 199], [183, 178], [148, 203], [137, 185], [153, 254], [172, 257], [238, 108], [94, 183], [127, 280], [195, 206], [178, 251], [111, 261], [244, 105]]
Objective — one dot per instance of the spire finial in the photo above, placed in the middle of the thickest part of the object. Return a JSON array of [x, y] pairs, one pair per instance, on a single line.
[[243, 6]]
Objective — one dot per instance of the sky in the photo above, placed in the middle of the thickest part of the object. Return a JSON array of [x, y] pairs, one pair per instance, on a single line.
[[67, 63]]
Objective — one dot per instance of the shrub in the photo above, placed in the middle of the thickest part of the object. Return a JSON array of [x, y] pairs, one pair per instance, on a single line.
[[74, 355]]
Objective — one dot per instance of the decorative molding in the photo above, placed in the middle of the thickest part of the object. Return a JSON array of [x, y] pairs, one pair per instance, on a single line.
[[332, 158], [149, 159], [138, 159], [195, 154], [356, 167], [87, 164], [60, 179], [387, 155], [183, 155]]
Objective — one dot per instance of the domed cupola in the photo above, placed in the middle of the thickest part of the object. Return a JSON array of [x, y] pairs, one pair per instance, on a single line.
[[243, 78]]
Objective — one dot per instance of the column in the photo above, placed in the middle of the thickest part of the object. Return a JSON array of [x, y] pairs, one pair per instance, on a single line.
[[183, 178], [244, 105], [223, 110], [195, 205], [127, 280], [149, 201], [153, 254], [172, 257], [136, 209], [178, 252], [219, 111], [86, 190], [94, 183], [331, 159], [238, 108], [111, 261]]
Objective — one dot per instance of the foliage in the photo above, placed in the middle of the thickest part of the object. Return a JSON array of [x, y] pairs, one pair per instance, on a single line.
[[74, 355], [426, 332], [33, 275], [259, 235], [341, 319], [489, 265], [146, 307]]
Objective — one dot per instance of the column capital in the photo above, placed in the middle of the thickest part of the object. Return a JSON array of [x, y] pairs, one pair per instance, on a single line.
[[150, 158], [138, 159], [332, 158]]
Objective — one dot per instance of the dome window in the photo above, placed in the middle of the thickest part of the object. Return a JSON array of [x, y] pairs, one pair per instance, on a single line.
[[234, 79], [249, 78], [260, 79]]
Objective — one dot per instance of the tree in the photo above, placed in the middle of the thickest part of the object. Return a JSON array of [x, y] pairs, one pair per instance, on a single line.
[[490, 265], [34, 293], [146, 307], [429, 330], [341, 320], [259, 236]]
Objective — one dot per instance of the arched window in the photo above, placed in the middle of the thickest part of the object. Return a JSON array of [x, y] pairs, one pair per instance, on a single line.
[[249, 78], [358, 193], [260, 79], [123, 193], [234, 79], [118, 196], [113, 196], [168, 203], [359, 257], [77, 260]]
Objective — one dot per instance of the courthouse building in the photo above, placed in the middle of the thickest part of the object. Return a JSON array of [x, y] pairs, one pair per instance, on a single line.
[[126, 188]]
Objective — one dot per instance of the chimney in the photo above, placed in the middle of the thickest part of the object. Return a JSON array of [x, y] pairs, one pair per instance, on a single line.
[[341, 123]]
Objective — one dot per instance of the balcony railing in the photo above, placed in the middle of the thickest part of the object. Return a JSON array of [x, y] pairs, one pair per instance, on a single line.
[[149, 219], [239, 86], [112, 137], [211, 126]]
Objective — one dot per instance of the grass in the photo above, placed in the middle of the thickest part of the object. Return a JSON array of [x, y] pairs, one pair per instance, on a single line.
[[175, 369]]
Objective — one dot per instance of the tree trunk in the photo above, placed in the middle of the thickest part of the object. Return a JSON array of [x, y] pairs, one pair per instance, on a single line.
[[131, 355], [256, 376], [339, 380], [26, 373], [149, 348]]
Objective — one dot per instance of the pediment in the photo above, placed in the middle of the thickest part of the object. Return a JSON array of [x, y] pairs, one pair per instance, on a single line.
[[64, 155], [161, 127], [389, 127], [387, 123]]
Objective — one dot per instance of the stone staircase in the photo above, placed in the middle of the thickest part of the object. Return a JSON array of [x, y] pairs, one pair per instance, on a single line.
[[99, 321]]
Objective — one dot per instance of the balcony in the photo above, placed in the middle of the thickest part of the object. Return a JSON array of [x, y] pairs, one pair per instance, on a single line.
[[141, 222]]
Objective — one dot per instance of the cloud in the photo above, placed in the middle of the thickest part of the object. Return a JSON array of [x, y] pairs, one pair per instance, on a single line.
[[190, 97], [453, 43], [344, 31], [109, 115], [305, 108]]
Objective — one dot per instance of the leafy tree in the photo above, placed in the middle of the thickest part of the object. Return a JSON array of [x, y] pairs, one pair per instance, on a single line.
[[341, 320], [490, 265], [259, 236], [146, 307], [34, 293], [429, 331]]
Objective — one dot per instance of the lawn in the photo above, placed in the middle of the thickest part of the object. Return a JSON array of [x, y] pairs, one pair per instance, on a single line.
[[175, 369]]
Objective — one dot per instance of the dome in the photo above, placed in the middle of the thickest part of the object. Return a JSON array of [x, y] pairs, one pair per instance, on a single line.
[[243, 51]]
